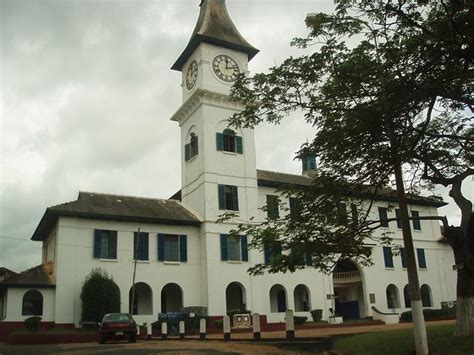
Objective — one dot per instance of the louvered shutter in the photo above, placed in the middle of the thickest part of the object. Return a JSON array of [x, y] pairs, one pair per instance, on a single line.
[[221, 190], [187, 152], [219, 141], [244, 248], [97, 243], [239, 145], [161, 247], [183, 248], [224, 256], [113, 245]]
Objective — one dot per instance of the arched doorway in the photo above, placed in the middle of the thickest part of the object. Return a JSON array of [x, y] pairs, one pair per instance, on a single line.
[[392, 297], [278, 299], [302, 299], [171, 298], [235, 297], [349, 301], [426, 300], [142, 302]]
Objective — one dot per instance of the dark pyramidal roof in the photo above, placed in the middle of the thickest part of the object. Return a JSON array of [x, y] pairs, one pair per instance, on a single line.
[[214, 26], [119, 208]]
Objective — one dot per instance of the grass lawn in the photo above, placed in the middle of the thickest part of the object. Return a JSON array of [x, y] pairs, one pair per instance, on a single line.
[[440, 341]]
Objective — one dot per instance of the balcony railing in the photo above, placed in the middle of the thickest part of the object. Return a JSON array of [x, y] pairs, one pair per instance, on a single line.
[[346, 275]]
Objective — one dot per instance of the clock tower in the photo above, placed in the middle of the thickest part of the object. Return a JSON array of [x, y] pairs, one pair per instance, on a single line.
[[218, 163]]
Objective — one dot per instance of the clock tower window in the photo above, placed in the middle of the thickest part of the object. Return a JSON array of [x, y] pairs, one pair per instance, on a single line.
[[191, 149], [228, 141]]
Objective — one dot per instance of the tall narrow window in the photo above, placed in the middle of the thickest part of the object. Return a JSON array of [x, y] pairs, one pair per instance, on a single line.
[[32, 304], [272, 207], [271, 250], [398, 216], [388, 257], [426, 296], [228, 197], [140, 246], [383, 217], [105, 244], [416, 221], [295, 207], [228, 141], [403, 257], [192, 148], [420, 253]]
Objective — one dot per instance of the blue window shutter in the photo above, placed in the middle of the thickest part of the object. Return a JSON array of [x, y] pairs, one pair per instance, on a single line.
[[97, 243], [403, 256], [235, 198], [219, 141], [183, 248], [421, 258], [161, 247], [187, 152], [238, 144], [387, 256], [266, 253], [221, 190], [397, 214], [113, 245], [244, 248], [312, 163], [224, 247], [144, 242]]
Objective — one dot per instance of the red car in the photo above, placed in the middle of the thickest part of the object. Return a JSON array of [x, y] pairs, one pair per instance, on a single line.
[[118, 326]]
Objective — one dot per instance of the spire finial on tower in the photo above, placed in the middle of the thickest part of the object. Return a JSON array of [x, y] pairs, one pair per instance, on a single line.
[[214, 26]]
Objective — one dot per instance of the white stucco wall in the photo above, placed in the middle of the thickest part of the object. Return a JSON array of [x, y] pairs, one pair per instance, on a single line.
[[14, 303]]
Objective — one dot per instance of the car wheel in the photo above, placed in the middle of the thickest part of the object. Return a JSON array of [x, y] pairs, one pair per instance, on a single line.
[[132, 338]]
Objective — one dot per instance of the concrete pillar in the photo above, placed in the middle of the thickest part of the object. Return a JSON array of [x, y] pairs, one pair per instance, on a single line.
[[182, 331], [290, 325], [256, 326], [148, 330], [202, 329], [226, 327], [164, 330]]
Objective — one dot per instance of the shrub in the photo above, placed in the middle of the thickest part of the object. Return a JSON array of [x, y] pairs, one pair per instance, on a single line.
[[317, 314], [430, 314], [300, 320], [99, 295], [33, 323], [219, 323]]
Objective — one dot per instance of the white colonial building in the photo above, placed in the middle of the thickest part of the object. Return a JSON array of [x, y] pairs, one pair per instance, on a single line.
[[187, 259]]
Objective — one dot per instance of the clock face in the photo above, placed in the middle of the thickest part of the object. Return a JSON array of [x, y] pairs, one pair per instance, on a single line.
[[225, 68], [191, 75]]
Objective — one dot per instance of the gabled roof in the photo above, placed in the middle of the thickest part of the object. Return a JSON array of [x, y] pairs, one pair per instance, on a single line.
[[38, 276], [6, 273], [118, 208], [214, 26]]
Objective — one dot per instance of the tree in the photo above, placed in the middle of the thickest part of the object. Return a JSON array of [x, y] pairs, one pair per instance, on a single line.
[[99, 295], [396, 103]]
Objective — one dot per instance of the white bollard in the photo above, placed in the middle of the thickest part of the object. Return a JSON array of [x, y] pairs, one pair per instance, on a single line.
[[202, 329], [226, 327], [290, 325], [256, 326], [148, 331], [182, 331], [164, 330]]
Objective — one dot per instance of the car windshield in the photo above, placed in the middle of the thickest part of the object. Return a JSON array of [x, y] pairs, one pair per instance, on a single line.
[[117, 317]]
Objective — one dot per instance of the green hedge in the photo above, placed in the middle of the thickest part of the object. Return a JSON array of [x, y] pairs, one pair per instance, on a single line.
[[32, 323], [300, 320], [430, 314]]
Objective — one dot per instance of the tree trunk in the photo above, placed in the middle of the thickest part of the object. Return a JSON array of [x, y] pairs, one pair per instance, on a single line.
[[421, 341], [462, 243]]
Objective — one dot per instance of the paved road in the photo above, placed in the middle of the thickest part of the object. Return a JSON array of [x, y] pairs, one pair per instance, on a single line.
[[212, 346]]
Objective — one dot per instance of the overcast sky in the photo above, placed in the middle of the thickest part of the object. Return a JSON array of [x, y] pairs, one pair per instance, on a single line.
[[87, 94]]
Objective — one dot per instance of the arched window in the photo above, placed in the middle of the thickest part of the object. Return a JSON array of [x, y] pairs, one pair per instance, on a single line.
[[392, 297], [32, 304], [235, 297], [406, 296], [426, 296], [228, 141], [192, 148]]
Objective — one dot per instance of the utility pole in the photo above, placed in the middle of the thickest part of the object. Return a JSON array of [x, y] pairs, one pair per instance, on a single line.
[[135, 256]]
